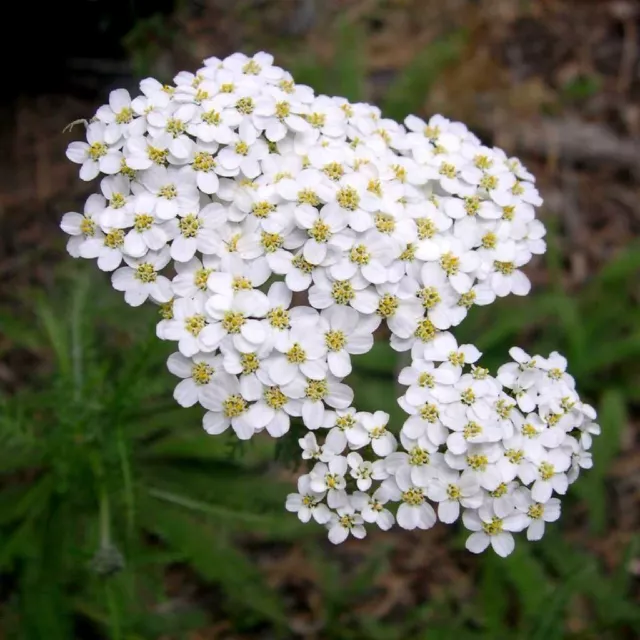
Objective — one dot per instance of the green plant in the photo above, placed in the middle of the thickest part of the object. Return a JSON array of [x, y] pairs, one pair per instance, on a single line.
[[105, 482]]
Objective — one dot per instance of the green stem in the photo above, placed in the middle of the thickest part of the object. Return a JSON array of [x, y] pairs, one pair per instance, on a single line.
[[105, 518]]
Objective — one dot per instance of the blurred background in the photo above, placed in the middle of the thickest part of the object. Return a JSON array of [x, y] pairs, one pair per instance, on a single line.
[[120, 518]]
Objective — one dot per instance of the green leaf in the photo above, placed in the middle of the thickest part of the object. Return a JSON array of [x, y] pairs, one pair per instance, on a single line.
[[275, 525], [211, 554], [591, 486], [527, 576], [493, 597]]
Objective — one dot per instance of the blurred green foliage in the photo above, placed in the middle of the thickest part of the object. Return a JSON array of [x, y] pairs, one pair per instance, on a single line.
[[106, 484]]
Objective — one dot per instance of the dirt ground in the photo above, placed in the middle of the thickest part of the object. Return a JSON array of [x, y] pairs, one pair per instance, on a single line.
[[555, 82]]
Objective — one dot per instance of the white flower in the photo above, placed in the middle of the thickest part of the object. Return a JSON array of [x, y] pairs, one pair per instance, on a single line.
[[372, 429], [330, 478], [276, 114], [195, 232], [232, 318], [189, 319], [308, 503], [451, 491], [244, 153], [419, 465], [502, 499], [197, 373], [345, 332], [478, 464], [415, 511], [355, 292], [311, 450], [96, 155], [83, 227], [141, 278], [107, 247], [372, 508], [346, 522], [324, 229], [216, 121], [293, 226], [488, 529], [548, 475], [424, 420], [361, 470], [147, 230], [173, 122], [119, 117], [317, 392], [301, 354], [444, 348], [116, 190], [507, 278], [192, 276], [227, 408], [537, 513], [174, 191], [457, 261]]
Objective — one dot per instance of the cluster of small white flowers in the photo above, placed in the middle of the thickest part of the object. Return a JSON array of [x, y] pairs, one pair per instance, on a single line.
[[235, 188]]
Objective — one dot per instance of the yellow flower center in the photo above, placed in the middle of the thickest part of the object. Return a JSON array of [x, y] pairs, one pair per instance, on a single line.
[[245, 106], [145, 273], [450, 264], [316, 390], [97, 150], [430, 297], [342, 292], [201, 373], [275, 398], [124, 116], [413, 496], [426, 330], [477, 462], [190, 225], [87, 227], [429, 412], [385, 223], [195, 324], [387, 306], [114, 239], [203, 161], [426, 228], [200, 278], [303, 265], [169, 192], [492, 528], [234, 406], [279, 318], [335, 340], [471, 430], [159, 156], [547, 470], [175, 127], [348, 198], [536, 511], [233, 321], [418, 457], [333, 170], [360, 255], [506, 268], [250, 363]]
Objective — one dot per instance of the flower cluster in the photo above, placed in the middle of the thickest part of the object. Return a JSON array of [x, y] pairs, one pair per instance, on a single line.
[[496, 450], [277, 230]]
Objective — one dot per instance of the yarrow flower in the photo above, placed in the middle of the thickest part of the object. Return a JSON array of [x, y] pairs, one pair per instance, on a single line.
[[235, 195]]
